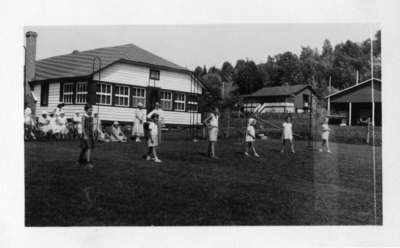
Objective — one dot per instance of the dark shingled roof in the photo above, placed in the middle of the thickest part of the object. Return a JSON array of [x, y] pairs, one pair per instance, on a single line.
[[286, 90], [78, 64]]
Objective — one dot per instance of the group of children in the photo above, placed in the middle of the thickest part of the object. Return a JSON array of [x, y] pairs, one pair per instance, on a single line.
[[211, 122], [151, 132], [87, 128]]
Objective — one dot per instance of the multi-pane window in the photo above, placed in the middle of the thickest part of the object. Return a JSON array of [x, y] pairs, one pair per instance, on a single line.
[[81, 92], [180, 102], [104, 92], [192, 105], [68, 93], [166, 100], [155, 74], [121, 95], [138, 95]]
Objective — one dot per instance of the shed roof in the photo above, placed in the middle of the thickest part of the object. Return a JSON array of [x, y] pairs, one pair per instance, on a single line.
[[78, 64], [353, 86], [286, 90]]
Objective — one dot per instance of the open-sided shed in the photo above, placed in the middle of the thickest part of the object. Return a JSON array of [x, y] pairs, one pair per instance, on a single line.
[[357, 103]]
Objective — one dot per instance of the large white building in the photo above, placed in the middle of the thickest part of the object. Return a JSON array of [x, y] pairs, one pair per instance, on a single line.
[[127, 75]]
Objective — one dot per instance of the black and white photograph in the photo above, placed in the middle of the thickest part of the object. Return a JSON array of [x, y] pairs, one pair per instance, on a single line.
[[199, 124], [185, 132]]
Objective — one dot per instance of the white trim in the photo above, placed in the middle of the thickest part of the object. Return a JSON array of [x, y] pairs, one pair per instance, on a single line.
[[68, 93], [353, 86], [137, 98], [104, 94], [166, 92], [123, 96], [181, 102], [81, 93]]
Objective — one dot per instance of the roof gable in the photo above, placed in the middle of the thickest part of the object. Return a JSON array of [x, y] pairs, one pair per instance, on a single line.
[[81, 63], [279, 90]]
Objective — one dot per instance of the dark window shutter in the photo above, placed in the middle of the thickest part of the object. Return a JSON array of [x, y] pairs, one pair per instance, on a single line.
[[173, 100], [61, 91], [74, 91], [130, 97], [44, 94], [187, 99], [113, 98]]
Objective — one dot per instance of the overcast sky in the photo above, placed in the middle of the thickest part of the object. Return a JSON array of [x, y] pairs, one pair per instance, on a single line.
[[192, 45]]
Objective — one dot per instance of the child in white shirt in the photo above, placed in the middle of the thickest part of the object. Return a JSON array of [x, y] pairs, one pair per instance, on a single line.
[[211, 122], [251, 137], [44, 124], [325, 136], [62, 124], [55, 129], [158, 110], [77, 121], [152, 139], [287, 134]]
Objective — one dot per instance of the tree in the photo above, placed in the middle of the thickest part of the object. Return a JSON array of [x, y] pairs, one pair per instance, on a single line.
[[227, 69], [288, 68], [212, 96], [247, 77], [198, 72]]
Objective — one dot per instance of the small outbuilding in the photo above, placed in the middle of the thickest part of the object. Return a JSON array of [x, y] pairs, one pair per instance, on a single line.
[[280, 99], [358, 104]]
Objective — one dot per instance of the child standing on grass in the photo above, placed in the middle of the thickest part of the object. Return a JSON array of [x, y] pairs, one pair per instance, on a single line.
[[251, 137], [87, 141], [287, 134], [211, 122], [152, 132], [325, 136]]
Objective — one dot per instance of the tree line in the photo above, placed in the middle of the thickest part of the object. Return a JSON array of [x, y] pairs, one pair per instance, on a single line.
[[340, 64]]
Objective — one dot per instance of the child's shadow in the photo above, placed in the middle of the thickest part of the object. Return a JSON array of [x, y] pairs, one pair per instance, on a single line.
[[204, 154]]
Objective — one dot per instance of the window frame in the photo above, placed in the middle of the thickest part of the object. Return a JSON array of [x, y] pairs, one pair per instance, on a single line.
[[105, 94], [192, 102], [69, 94], [177, 102], [156, 76], [118, 96], [136, 98], [164, 100], [78, 93]]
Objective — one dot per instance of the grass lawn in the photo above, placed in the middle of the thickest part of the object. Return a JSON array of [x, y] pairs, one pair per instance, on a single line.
[[189, 189]]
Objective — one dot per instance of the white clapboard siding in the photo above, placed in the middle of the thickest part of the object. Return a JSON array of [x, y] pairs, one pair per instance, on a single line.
[[184, 118], [54, 97], [112, 113], [177, 81], [139, 76], [125, 74]]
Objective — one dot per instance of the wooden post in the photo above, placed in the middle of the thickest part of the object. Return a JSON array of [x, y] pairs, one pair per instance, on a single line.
[[350, 113]]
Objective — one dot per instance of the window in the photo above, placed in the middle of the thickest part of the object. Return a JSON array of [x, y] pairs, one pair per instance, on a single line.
[[138, 95], [166, 100], [180, 102], [154, 74], [81, 92], [104, 93], [192, 103], [68, 93], [121, 96], [44, 94]]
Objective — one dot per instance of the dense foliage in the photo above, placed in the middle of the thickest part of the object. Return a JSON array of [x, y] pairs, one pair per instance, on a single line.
[[340, 64]]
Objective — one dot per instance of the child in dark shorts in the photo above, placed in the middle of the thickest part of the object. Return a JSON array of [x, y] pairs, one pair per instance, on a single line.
[[87, 141]]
